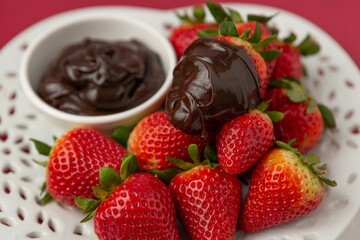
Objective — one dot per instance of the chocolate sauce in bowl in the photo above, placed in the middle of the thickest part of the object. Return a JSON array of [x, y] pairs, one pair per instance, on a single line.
[[214, 82], [98, 78]]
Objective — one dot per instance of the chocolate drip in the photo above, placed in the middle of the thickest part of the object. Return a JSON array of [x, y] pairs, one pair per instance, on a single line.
[[98, 78], [214, 82]]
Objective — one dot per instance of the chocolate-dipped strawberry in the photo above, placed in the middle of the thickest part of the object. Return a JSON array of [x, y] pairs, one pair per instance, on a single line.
[[214, 82]]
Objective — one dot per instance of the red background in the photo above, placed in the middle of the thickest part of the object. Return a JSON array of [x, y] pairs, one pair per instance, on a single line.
[[339, 18]]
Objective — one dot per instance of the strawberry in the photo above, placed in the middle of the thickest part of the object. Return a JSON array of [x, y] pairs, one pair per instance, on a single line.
[[254, 32], [284, 186], [155, 138], [74, 163], [228, 33], [183, 35], [289, 64], [303, 118], [131, 205], [241, 142], [207, 199]]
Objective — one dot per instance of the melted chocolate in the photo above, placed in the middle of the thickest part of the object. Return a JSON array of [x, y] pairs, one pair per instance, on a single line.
[[214, 82], [98, 78]]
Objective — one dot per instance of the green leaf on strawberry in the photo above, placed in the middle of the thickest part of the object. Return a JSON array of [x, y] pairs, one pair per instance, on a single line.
[[218, 12], [208, 33], [308, 47], [259, 18], [235, 16], [166, 175], [275, 116], [262, 106], [121, 135], [269, 55], [193, 151], [199, 13], [210, 153], [46, 199], [100, 192], [180, 163], [264, 43], [256, 37], [109, 178], [227, 28], [245, 35], [311, 106], [128, 166], [290, 39], [41, 163], [328, 117], [41, 147]]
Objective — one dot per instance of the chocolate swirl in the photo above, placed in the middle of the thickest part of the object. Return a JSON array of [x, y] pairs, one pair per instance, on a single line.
[[214, 82], [98, 78]]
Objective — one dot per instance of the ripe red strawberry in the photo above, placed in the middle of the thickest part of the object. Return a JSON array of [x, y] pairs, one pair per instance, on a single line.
[[288, 64], [284, 186], [207, 199], [155, 138], [131, 205], [183, 35], [74, 163], [241, 142], [228, 33], [303, 117], [253, 31]]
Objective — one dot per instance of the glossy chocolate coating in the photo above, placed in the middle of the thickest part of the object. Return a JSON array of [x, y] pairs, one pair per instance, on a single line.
[[97, 78], [214, 82]]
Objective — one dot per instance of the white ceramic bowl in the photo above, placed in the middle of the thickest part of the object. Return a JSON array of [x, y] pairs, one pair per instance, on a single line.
[[44, 50]]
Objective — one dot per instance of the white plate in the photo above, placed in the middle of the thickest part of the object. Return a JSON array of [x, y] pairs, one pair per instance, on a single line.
[[333, 80]]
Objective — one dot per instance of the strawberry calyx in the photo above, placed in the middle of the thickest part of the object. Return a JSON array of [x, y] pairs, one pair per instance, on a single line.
[[168, 174], [228, 28], [109, 180], [198, 16], [297, 94], [306, 47], [312, 161], [275, 116], [43, 149]]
